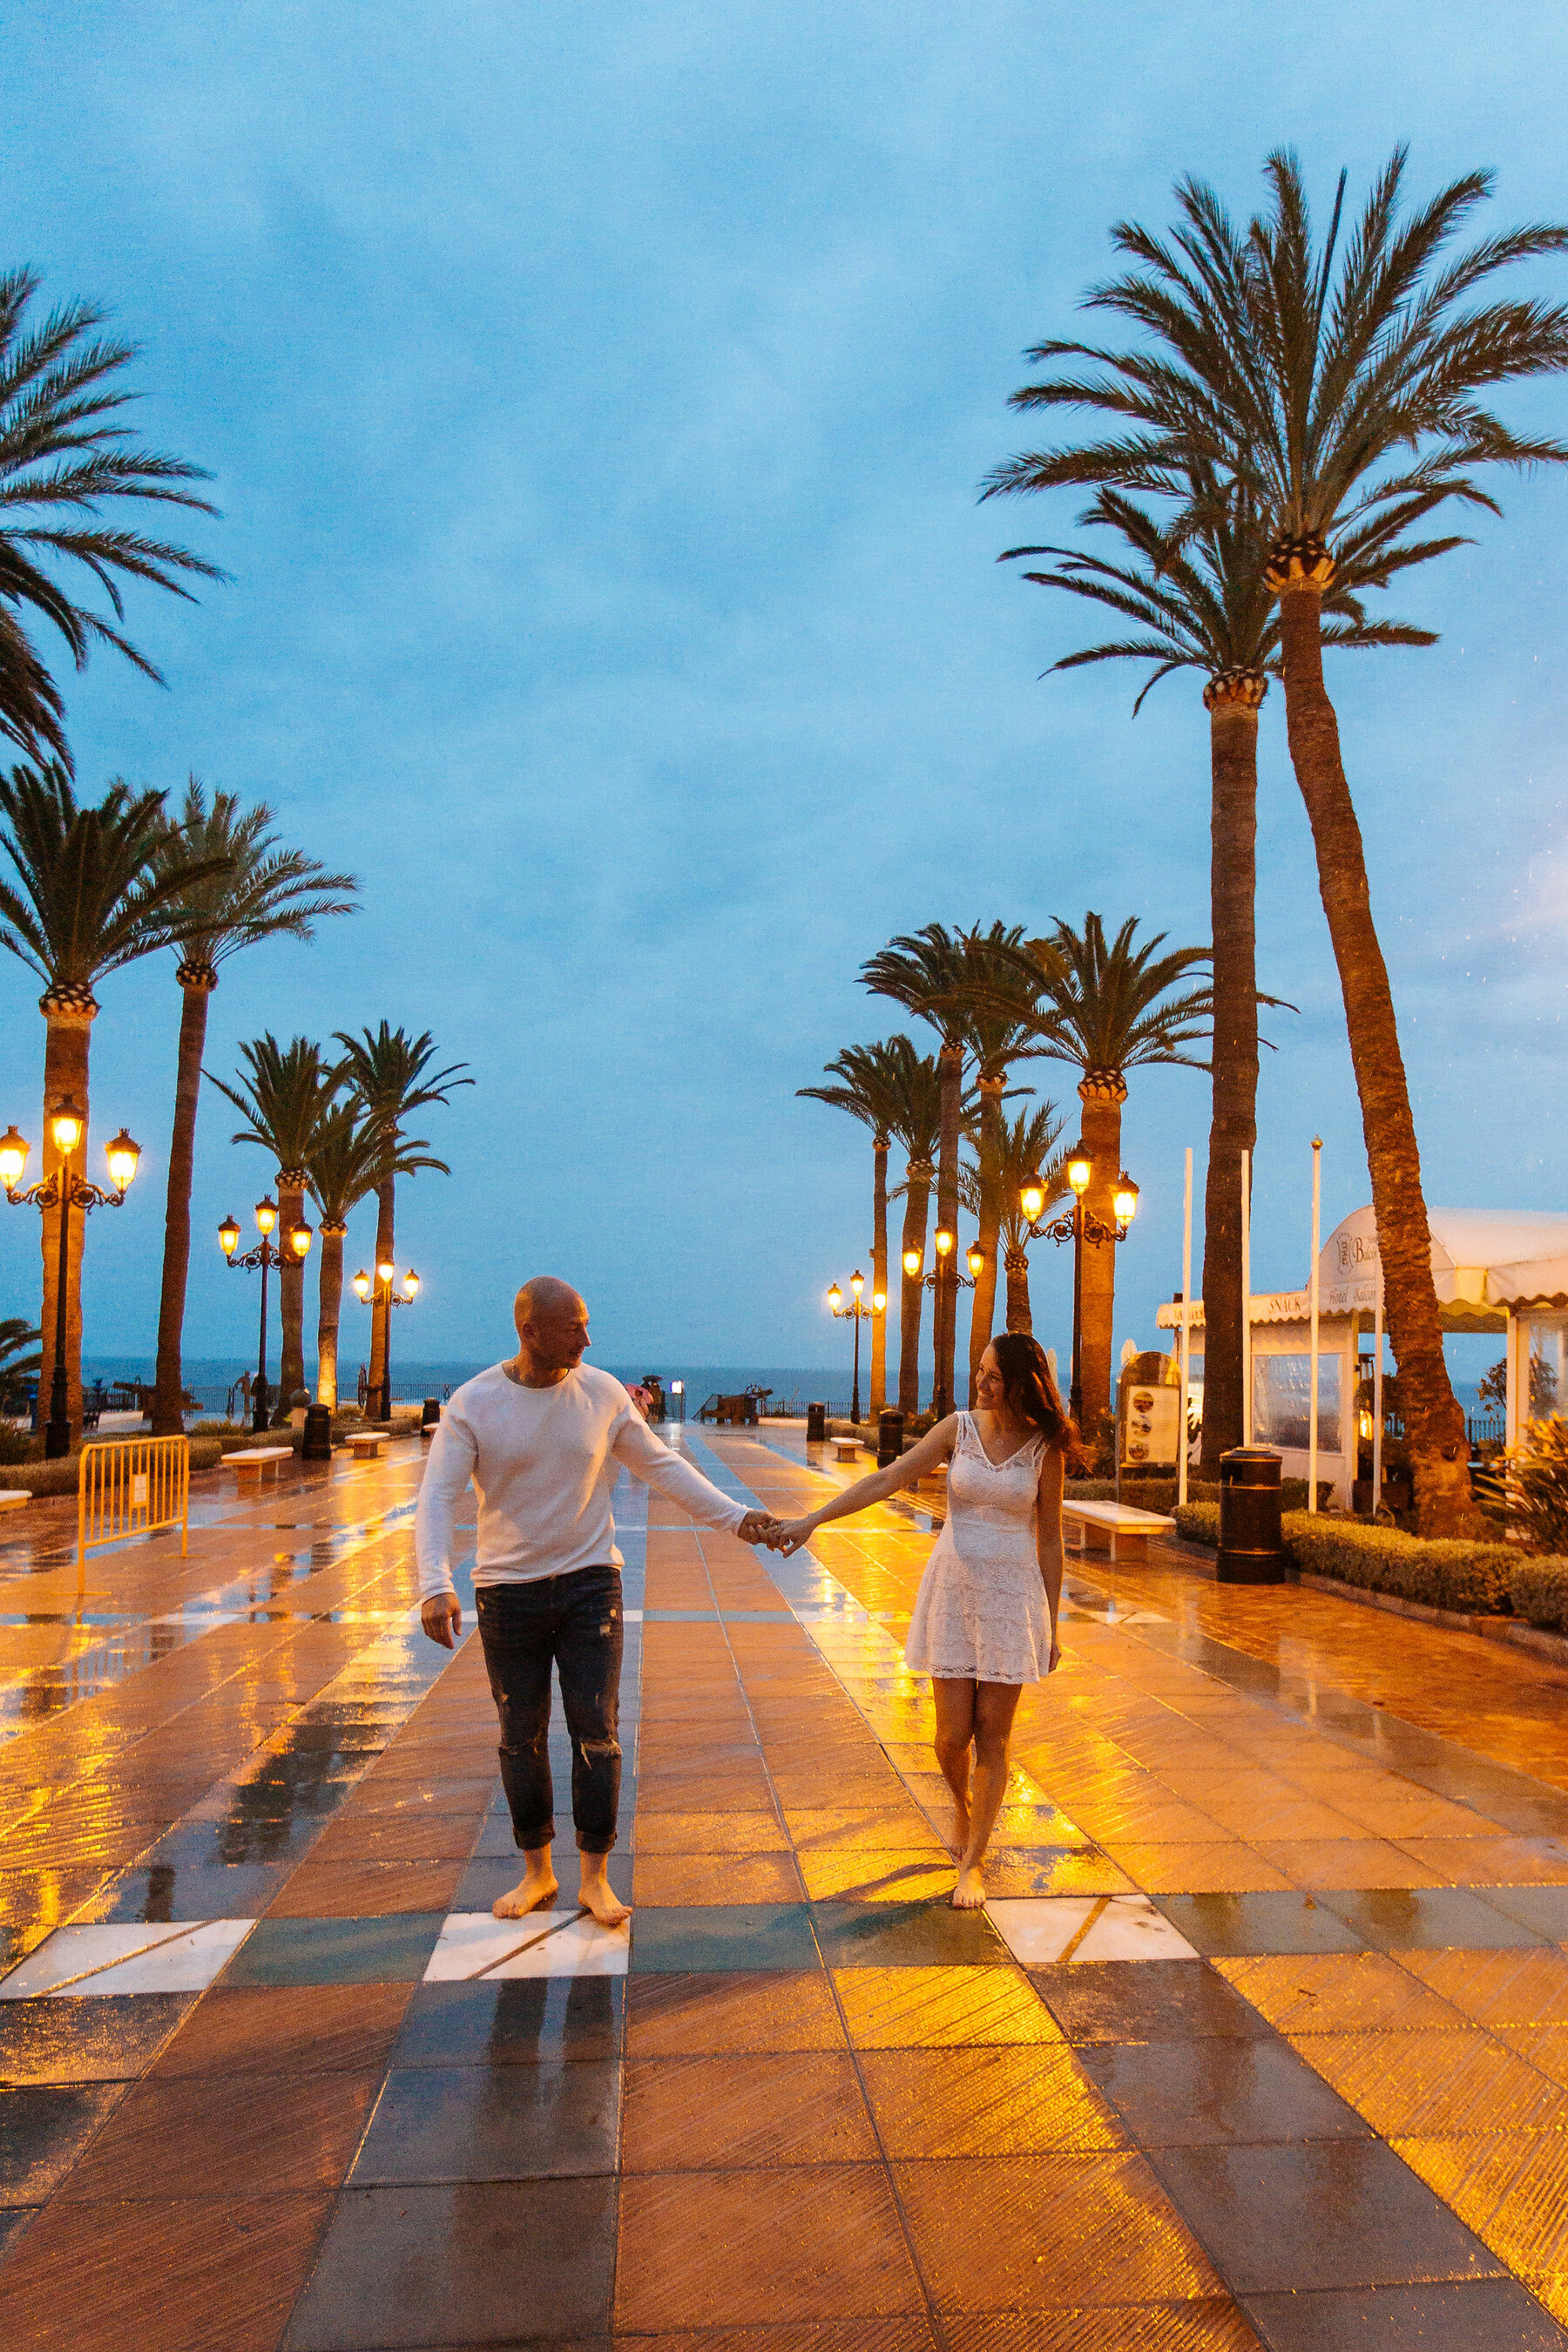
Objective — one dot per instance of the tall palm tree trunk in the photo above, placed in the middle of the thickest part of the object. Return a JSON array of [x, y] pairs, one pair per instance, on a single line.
[[950, 1061], [197, 981], [1440, 1450], [917, 1204], [290, 1294], [879, 1274], [69, 1011], [381, 1316], [1232, 700], [983, 1313], [332, 1299], [1102, 1094], [1019, 1318]]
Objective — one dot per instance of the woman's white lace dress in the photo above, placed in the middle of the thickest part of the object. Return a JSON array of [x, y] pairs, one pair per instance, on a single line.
[[981, 1613]]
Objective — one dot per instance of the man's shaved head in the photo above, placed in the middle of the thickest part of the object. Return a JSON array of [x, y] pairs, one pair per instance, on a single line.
[[545, 1294]]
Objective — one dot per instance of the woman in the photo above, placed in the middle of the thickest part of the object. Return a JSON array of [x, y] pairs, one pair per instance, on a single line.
[[985, 1616]]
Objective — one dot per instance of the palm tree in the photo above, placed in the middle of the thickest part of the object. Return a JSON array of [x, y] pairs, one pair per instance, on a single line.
[[872, 1087], [92, 894], [1019, 1151], [914, 1122], [346, 1162], [64, 453], [286, 1093], [1200, 602], [1111, 1009], [17, 1333], [390, 1075], [934, 974], [260, 891], [1347, 408]]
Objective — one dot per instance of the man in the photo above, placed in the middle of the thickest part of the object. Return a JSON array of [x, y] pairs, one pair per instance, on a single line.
[[543, 1437]]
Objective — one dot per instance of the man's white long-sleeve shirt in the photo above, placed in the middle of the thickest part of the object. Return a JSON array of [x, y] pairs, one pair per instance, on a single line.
[[543, 1462]]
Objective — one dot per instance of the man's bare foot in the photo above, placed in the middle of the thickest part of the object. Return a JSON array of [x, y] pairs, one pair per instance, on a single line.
[[599, 1897], [969, 1895], [533, 1891]]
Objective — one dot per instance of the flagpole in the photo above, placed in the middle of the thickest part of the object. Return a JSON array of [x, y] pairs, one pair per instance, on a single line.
[[1312, 1407], [1186, 1328], [1246, 1301]]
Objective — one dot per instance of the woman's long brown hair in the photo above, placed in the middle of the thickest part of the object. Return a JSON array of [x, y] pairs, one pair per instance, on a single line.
[[1031, 1393]]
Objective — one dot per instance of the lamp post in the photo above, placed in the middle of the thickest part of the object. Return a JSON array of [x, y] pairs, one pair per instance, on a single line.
[[1080, 1226], [857, 1314], [65, 1192], [943, 1275], [299, 1239], [385, 1301]]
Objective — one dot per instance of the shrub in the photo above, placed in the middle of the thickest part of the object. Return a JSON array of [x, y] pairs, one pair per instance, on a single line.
[[1531, 1491], [19, 1446], [1540, 1587], [221, 1429], [1199, 1523], [1472, 1578]]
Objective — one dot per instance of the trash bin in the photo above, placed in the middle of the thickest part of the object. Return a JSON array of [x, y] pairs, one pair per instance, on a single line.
[[816, 1424], [890, 1437], [430, 1417], [1251, 1547], [316, 1445]]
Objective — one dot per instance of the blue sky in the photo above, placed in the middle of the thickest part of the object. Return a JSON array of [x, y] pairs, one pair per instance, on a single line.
[[596, 401]]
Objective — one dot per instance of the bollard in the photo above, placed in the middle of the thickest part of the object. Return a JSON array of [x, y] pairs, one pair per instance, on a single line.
[[429, 1418], [316, 1443], [816, 1424], [890, 1436], [1252, 1548]]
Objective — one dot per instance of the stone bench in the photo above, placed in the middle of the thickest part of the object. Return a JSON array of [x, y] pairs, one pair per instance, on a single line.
[[257, 1462], [13, 1498], [366, 1448], [847, 1449], [1121, 1530]]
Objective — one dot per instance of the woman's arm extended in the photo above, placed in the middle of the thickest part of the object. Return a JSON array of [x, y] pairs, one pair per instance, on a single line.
[[1048, 1539], [935, 1447]]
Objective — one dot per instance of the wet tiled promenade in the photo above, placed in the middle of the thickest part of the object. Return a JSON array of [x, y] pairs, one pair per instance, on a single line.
[[1263, 2038]]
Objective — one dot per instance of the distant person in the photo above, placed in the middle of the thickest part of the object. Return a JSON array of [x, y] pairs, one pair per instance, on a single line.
[[642, 1398], [655, 1388], [985, 1619], [542, 1438], [361, 1387]]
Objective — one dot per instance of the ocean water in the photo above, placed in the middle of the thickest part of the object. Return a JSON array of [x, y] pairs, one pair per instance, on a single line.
[[211, 1378]]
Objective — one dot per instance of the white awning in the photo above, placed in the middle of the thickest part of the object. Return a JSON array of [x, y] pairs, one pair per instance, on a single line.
[[1484, 1261]]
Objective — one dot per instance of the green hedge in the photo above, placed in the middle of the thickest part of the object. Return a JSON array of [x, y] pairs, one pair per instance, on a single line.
[[1540, 1589], [1475, 1579]]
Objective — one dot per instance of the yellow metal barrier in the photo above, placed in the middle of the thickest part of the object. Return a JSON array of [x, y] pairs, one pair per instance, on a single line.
[[130, 1486]]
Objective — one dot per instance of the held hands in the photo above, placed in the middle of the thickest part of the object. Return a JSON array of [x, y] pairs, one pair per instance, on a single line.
[[779, 1535]]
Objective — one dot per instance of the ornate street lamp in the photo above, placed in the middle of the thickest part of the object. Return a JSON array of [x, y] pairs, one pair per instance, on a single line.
[[944, 1275], [857, 1314], [1079, 1226], [385, 1300], [65, 1192], [299, 1239]]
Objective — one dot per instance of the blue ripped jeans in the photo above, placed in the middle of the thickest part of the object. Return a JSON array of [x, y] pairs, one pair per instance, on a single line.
[[573, 1622]]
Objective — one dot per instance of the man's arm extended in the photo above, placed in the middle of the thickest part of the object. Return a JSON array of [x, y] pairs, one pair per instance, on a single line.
[[647, 1459], [447, 1470]]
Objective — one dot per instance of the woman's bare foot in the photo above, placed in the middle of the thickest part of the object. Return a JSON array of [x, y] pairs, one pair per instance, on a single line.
[[969, 1895], [597, 1896], [533, 1891]]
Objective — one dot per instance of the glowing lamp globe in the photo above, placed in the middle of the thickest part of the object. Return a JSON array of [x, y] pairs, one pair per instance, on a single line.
[[385, 1269], [300, 1236], [13, 1149], [228, 1236], [976, 1260], [266, 1216], [943, 1241], [66, 1126], [122, 1156], [856, 1284], [835, 1297], [1125, 1199], [1080, 1168], [1032, 1200], [912, 1261], [362, 1284], [411, 1284]]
